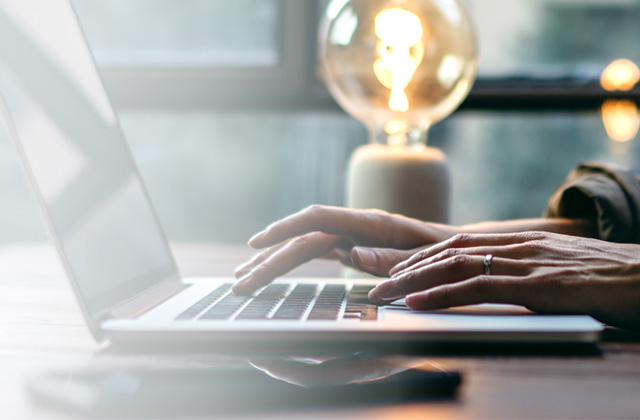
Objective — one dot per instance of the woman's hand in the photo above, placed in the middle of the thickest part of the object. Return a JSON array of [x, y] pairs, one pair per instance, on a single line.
[[370, 240], [545, 272]]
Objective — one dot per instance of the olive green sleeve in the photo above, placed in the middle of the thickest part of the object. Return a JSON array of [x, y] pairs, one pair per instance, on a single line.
[[606, 195]]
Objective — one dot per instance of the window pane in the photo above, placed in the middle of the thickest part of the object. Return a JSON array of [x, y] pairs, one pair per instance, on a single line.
[[507, 165], [221, 178], [554, 37], [181, 33]]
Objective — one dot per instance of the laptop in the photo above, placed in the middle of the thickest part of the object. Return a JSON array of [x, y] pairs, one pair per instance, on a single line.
[[117, 258]]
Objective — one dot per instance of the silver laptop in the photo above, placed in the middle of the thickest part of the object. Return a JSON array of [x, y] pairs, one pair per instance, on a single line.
[[117, 257]]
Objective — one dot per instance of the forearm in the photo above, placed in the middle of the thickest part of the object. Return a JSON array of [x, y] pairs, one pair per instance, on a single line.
[[575, 227]]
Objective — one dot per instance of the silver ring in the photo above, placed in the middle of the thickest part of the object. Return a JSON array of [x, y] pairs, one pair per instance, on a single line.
[[487, 264]]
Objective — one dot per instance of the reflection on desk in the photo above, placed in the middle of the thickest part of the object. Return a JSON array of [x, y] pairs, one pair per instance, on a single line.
[[227, 386], [41, 329]]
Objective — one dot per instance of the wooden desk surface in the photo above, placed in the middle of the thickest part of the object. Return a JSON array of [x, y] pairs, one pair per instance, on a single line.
[[41, 328]]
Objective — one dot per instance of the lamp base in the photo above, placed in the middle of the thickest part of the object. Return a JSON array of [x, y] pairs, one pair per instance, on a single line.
[[413, 181]]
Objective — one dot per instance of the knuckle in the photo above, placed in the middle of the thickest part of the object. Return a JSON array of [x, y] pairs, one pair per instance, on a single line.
[[457, 263], [522, 248], [318, 216], [420, 255], [483, 285], [534, 236], [376, 218], [541, 247], [315, 209], [449, 253], [535, 245], [544, 280], [460, 240], [379, 212], [524, 268]]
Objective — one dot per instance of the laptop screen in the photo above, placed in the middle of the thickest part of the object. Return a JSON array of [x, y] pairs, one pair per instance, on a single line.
[[76, 157]]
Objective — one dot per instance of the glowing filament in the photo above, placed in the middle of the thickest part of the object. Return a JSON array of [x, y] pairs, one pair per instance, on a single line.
[[620, 118], [398, 30], [620, 75]]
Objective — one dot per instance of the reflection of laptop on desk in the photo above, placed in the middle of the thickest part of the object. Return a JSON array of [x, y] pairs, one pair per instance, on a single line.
[[115, 253]]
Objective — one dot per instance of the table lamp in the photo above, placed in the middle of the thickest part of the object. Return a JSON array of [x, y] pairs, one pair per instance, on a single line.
[[399, 66]]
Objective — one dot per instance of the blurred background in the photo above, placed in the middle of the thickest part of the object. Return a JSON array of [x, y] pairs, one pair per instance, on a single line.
[[232, 128]]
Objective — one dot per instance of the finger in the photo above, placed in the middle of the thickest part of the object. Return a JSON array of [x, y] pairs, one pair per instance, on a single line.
[[326, 219], [341, 255], [377, 261], [465, 241], [258, 258], [451, 270], [480, 289], [390, 230], [515, 251], [294, 253]]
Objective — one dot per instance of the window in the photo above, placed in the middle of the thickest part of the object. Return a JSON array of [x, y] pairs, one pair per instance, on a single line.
[[211, 54], [550, 54], [186, 34], [232, 128]]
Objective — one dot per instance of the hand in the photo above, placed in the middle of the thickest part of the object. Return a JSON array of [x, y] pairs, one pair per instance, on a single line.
[[370, 240], [544, 272]]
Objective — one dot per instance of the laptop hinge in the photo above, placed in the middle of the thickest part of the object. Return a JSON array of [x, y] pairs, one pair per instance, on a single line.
[[146, 300]]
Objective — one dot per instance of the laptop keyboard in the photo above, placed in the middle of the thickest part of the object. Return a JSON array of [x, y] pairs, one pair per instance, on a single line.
[[327, 306], [279, 302], [297, 302]]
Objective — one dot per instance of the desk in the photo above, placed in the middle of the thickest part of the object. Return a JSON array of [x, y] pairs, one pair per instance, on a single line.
[[42, 328]]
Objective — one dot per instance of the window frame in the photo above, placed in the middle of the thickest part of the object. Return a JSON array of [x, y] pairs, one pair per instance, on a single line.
[[292, 85], [224, 88]]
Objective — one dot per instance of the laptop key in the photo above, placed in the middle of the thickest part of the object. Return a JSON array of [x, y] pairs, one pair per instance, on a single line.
[[296, 304], [204, 303], [264, 302], [327, 306], [360, 294], [225, 308]]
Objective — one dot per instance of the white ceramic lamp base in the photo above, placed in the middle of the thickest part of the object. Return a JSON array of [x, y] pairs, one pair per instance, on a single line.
[[413, 181]]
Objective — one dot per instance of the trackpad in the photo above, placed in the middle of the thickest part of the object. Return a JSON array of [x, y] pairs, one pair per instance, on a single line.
[[481, 309], [485, 317]]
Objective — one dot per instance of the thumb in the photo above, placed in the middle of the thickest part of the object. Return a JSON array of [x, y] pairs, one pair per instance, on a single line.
[[377, 261]]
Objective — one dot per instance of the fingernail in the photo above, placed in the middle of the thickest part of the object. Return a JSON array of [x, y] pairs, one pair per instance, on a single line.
[[384, 289], [241, 286], [256, 237], [366, 257]]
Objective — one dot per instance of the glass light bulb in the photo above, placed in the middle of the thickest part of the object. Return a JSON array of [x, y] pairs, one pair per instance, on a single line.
[[399, 66]]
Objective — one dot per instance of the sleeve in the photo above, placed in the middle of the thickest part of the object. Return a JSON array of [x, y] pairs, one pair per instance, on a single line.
[[608, 196]]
